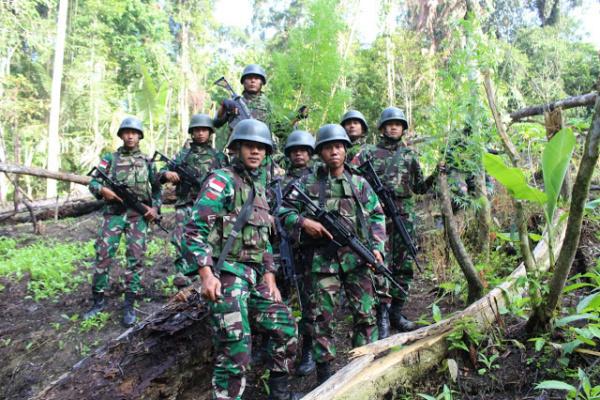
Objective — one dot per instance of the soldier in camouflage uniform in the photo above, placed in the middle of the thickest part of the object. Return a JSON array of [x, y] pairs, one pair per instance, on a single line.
[[398, 167], [298, 150], [355, 124], [203, 159], [240, 285], [127, 165], [337, 188]]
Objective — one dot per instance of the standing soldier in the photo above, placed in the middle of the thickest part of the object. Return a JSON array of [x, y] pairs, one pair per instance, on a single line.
[[299, 149], [127, 165], [227, 240], [202, 159], [399, 169], [356, 127], [336, 189]]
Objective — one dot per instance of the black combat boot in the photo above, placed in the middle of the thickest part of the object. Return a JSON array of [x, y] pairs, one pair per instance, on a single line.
[[323, 372], [383, 320], [398, 320], [307, 364], [128, 310], [98, 306], [279, 387]]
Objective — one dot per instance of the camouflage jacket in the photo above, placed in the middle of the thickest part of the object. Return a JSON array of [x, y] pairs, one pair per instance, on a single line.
[[213, 216], [259, 106], [356, 147], [133, 168], [203, 159], [339, 196], [399, 169]]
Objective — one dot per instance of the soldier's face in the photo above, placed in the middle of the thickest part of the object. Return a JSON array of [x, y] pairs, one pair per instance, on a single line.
[[299, 157], [130, 138], [333, 154], [393, 129], [200, 135], [252, 84], [353, 128], [252, 154]]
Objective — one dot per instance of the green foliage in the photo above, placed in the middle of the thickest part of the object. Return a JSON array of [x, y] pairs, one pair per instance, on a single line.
[[97, 322], [51, 266], [555, 163], [513, 179], [584, 391], [446, 394], [465, 333]]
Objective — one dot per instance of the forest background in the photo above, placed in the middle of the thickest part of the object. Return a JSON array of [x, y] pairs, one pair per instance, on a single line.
[[158, 60]]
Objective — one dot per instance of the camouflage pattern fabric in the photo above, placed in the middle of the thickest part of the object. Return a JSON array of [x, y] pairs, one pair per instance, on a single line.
[[355, 148], [182, 214], [399, 168], [201, 158], [330, 270], [246, 302], [133, 168]]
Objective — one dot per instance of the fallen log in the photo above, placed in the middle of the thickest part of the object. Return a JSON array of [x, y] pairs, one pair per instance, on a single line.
[[576, 101], [49, 208], [427, 347], [44, 173], [167, 353]]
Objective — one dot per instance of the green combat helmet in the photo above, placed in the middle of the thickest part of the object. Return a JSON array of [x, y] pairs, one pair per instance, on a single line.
[[131, 123], [353, 114], [392, 114], [299, 139], [331, 133], [252, 130], [201, 121], [254, 69]]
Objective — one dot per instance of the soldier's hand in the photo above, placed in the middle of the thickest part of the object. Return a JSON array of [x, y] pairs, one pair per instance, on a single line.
[[172, 177], [183, 294], [211, 286], [230, 107], [109, 195], [151, 213], [378, 256], [315, 229], [269, 279]]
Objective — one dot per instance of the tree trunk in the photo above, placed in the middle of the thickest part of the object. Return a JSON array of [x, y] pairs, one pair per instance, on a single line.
[[389, 52], [57, 72], [576, 101], [475, 286], [484, 218], [44, 173], [166, 354], [542, 315], [49, 208]]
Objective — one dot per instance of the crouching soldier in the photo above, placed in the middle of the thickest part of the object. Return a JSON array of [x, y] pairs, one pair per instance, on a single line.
[[227, 240], [128, 165]]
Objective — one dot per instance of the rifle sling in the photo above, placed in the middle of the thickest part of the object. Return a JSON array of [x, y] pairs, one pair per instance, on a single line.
[[240, 221]]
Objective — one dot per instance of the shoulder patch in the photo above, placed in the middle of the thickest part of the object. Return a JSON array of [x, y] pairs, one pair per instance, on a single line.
[[103, 163], [214, 188]]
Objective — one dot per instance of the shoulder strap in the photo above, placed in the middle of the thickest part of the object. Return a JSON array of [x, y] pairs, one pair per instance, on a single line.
[[240, 221], [359, 207]]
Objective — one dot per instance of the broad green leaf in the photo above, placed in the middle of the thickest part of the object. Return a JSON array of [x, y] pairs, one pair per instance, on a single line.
[[513, 179], [591, 302], [555, 163], [576, 286], [535, 237], [558, 385], [592, 204], [437, 313], [570, 318]]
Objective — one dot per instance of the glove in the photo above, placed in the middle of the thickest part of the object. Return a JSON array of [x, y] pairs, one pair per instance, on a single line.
[[230, 106]]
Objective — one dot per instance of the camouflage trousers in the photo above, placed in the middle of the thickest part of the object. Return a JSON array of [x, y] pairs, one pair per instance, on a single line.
[[358, 286], [182, 213], [247, 309], [400, 264], [113, 226]]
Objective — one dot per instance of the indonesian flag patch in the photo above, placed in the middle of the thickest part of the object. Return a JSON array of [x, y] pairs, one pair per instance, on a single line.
[[103, 164], [215, 187]]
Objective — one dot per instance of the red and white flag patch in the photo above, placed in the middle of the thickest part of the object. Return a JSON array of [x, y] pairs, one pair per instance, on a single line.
[[215, 187], [103, 164]]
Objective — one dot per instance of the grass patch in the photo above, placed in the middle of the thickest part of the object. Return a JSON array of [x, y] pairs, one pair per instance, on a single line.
[[51, 266]]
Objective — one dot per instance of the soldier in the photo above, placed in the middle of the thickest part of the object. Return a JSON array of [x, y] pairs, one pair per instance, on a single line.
[[398, 167], [299, 149], [237, 271], [130, 166], [337, 188], [356, 127], [253, 79], [203, 159]]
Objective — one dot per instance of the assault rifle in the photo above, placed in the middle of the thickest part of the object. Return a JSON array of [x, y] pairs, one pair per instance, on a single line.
[[187, 175], [389, 207], [236, 99], [130, 199], [286, 252], [341, 231]]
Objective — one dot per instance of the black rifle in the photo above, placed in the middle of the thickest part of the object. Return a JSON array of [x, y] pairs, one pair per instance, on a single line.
[[122, 190], [286, 252], [341, 231], [389, 207], [237, 100], [187, 175]]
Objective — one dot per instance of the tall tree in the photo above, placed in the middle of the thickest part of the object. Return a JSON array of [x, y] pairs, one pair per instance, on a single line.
[[57, 73]]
